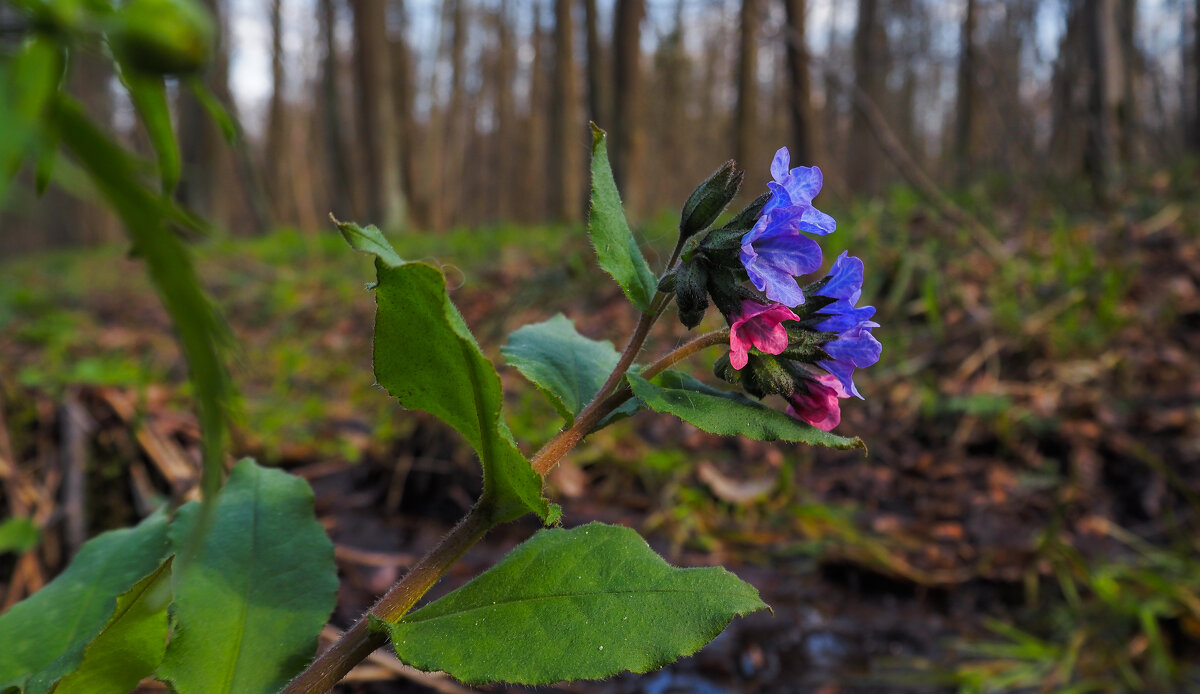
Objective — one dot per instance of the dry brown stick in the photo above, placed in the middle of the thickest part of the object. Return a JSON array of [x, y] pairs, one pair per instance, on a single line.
[[175, 465], [74, 426]]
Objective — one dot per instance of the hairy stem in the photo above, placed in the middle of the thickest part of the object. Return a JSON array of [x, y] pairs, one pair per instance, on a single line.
[[360, 641]]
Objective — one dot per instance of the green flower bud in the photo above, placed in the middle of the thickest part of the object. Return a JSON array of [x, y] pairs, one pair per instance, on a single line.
[[764, 375], [723, 370], [710, 199], [691, 294], [745, 219], [163, 37]]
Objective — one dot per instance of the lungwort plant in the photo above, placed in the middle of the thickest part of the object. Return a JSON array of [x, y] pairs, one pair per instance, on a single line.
[[229, 593]]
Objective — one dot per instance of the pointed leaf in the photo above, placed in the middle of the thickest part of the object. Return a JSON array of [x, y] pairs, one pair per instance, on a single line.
[[27, 86], [202, 334], [586, 603], [426, 357], [149, 96], [732, 414], [615, 246], [131, 645], [567, 366], [252, 600], [44, 636]]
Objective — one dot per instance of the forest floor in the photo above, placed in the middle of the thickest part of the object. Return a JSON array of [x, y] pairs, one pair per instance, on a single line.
[[1027, 514]]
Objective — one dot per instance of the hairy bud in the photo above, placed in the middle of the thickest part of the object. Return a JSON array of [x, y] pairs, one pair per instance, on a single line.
[[691, 293], [710, 199]]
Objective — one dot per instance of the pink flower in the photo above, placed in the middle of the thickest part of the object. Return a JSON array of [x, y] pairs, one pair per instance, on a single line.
[[819, 406], [760, 327]]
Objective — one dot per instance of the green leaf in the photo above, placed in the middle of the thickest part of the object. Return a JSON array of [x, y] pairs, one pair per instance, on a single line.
[[215, 110], [567, 366], [202, 334], [252, 600], [370, 240], [45, 635], [585, 603], [732, 414], [426, 357], [131, 645], [149, 96], [18, 534], [615, 246], [27, 87]]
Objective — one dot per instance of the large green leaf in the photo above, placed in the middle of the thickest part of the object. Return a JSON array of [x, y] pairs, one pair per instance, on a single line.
[[567, 366], [202, 334], [426, 357], [131, 645], [615, 246], [732, 414], [251, 601], [45, 635], [585, 603]]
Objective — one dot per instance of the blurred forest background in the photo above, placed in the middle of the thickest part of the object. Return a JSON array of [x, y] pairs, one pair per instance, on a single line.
[[1020, 177], [428, 115]]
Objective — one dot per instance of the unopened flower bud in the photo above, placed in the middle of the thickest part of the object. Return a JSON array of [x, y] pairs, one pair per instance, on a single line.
[[745, 219], [765, 376], [710, 199], [691, 294], [163, 37], [724, 370]]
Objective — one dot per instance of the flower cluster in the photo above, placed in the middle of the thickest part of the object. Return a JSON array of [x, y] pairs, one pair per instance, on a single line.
[[800, 343]]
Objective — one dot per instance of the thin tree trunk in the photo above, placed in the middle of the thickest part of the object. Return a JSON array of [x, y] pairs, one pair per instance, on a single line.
[[505, 113], [346, 198], [800, 110], [627, 126], [870, 47], [376, 110], [745, 120], [1100, 153], [967, 121], [452, 182], [404, 79], [277, 166], [596, 82], [1195, 125], [566, 127]]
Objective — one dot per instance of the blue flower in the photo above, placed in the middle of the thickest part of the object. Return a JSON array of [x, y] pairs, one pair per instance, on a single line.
[[774, 251], [798, 187], [854, 345]]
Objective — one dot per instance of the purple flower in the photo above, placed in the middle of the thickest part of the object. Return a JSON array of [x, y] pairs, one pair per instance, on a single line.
[[798, 187], [774, 251], [854, 345]]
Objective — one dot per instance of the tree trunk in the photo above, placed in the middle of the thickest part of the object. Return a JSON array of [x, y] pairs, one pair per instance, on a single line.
[[277, 167], [405, 82], [967, 121], [800, 110], [378, 135], [1104, 59], [1195, 125], [870, 67], [505, 113], [745, 119], [346, 199], [566, 127], [596, 75], [626, 140], [452, 182]]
